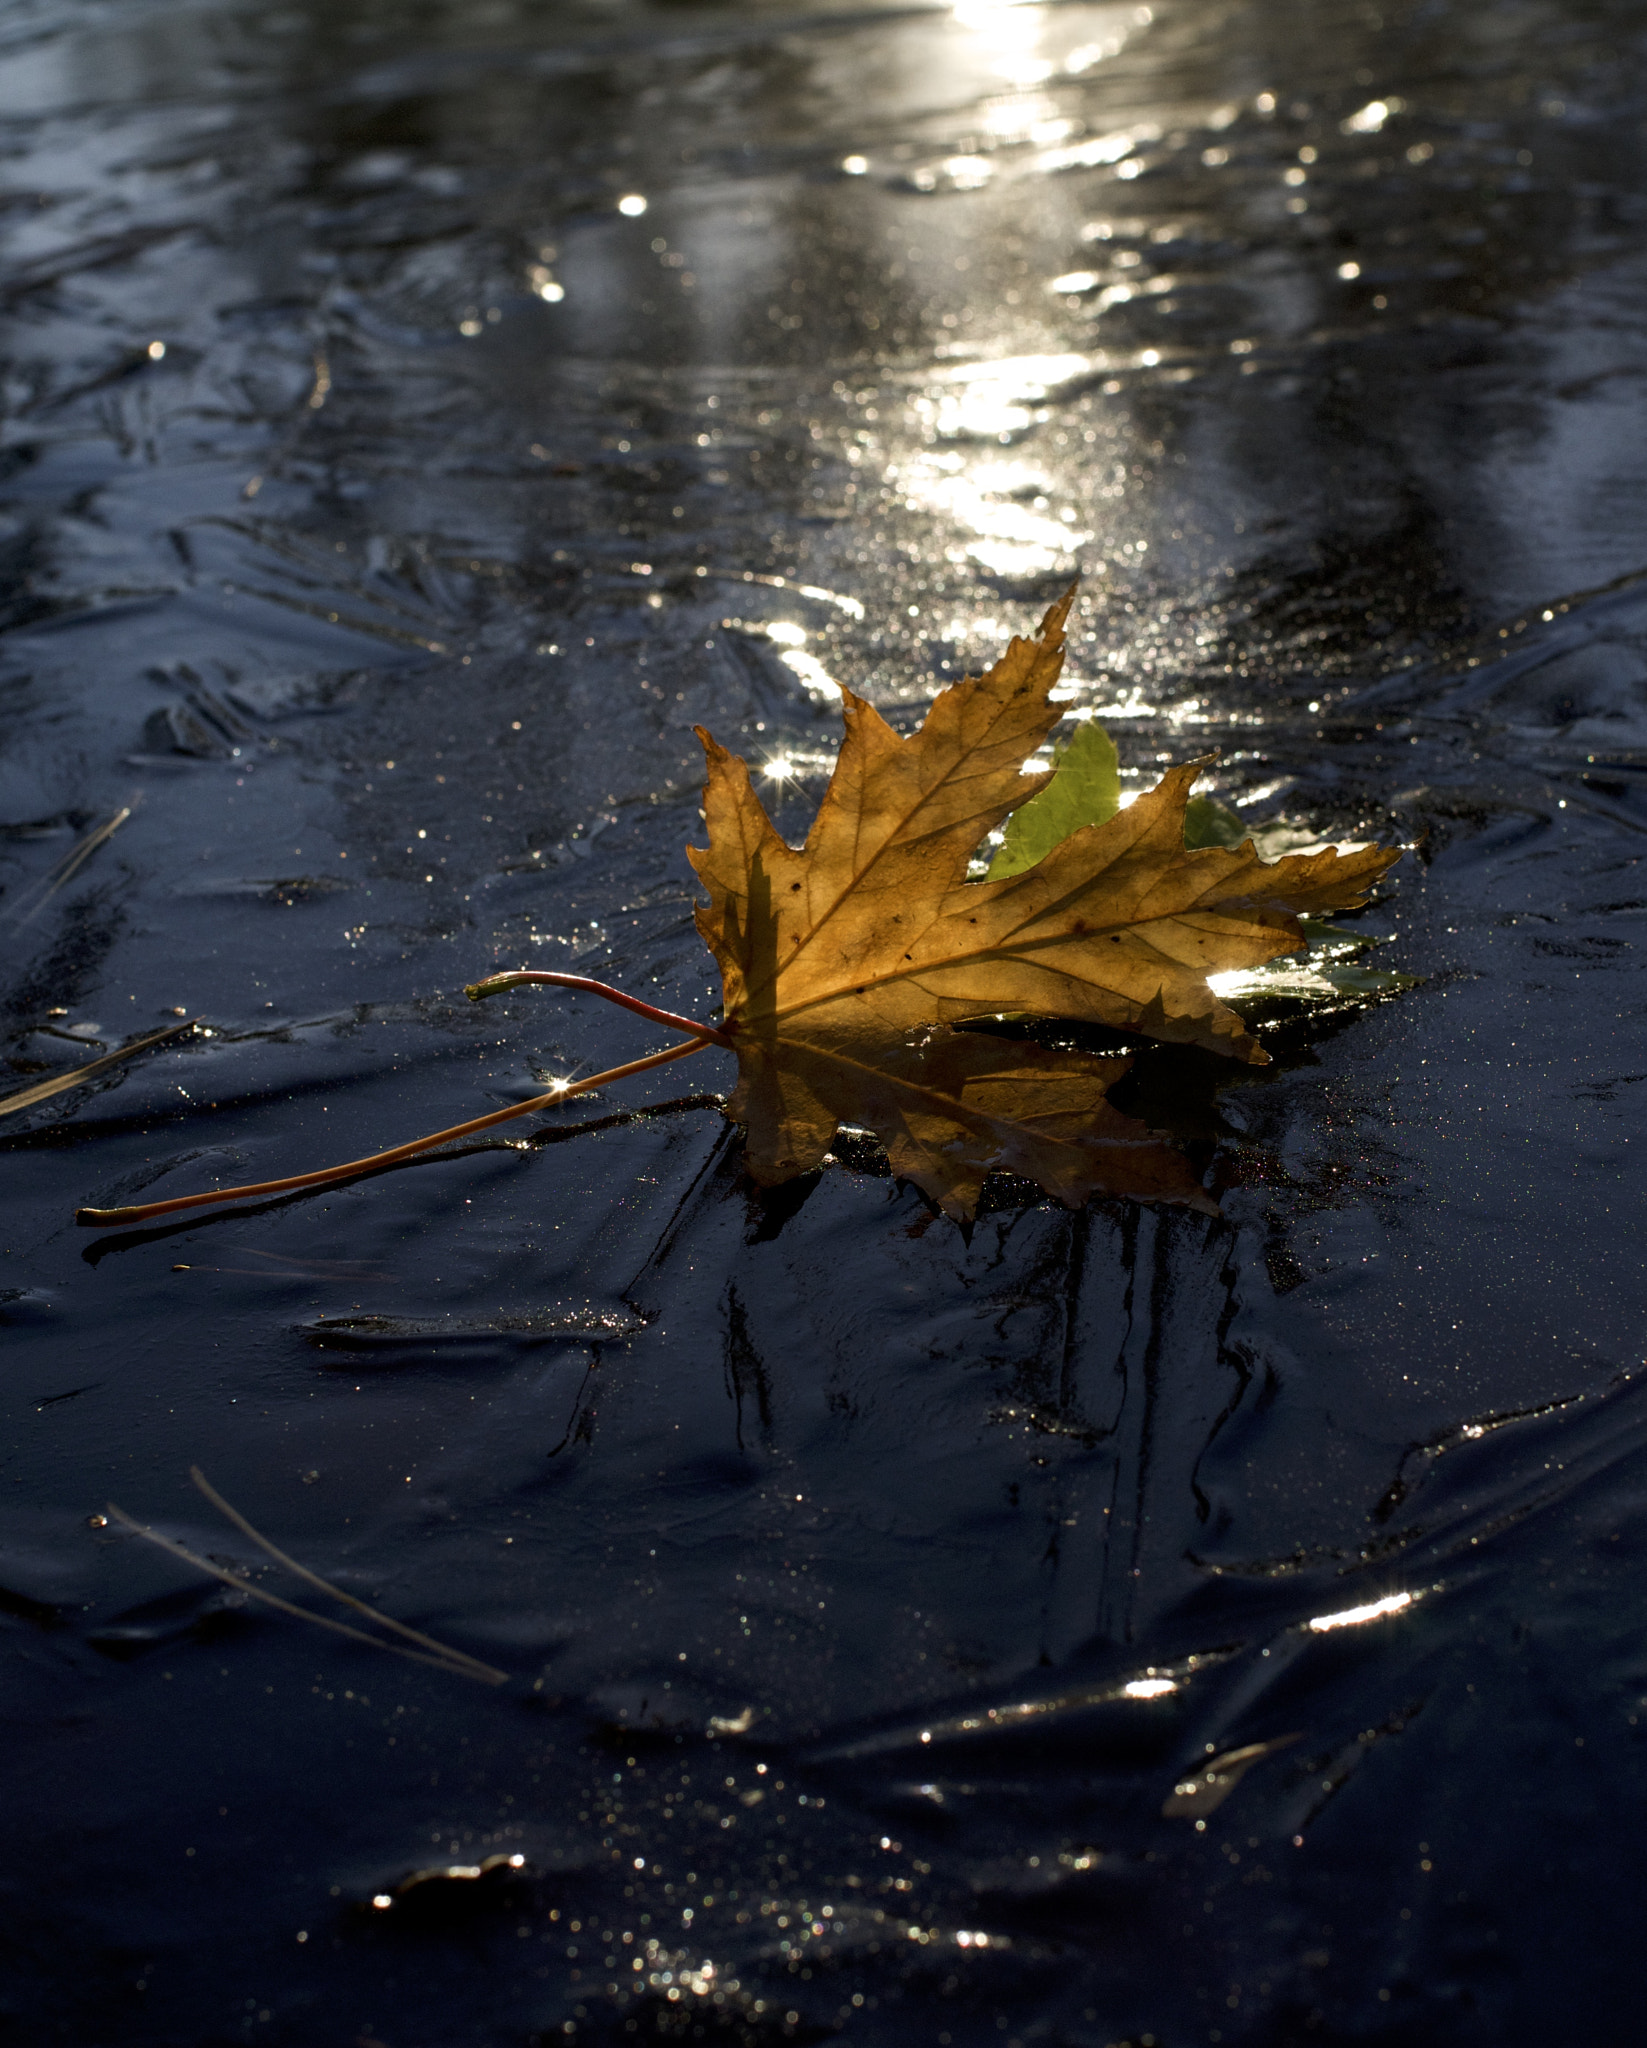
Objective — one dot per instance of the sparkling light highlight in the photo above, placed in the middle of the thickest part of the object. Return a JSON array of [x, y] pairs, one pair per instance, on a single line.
[[1353, 1617]]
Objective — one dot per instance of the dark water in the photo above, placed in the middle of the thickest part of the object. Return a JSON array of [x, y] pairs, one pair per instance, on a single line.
[[382, 506]]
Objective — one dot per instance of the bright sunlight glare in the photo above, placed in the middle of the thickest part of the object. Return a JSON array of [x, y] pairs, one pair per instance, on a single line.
[[1352, 1617]]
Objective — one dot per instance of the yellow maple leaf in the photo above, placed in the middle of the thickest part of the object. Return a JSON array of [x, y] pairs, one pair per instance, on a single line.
[[846, 963]]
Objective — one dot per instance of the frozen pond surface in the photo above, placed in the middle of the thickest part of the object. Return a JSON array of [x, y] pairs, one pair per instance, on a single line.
[[416, 418]]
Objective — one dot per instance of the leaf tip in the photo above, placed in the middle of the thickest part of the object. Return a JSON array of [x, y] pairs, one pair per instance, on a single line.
[[1058, 612]]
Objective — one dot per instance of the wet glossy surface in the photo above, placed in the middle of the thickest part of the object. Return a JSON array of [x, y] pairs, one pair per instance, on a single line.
[[387, 493]]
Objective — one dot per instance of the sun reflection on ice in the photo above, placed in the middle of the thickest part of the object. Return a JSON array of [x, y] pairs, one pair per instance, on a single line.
[[1354, 1617], [1011, 38], [811, 672], [1149, 1688], [1015, 531], [1005, 40], [985, 400]]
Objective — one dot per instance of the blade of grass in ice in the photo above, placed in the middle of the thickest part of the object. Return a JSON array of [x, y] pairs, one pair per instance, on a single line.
[[67, 868], [204, 1485], [448, 1660], [26, 1098]]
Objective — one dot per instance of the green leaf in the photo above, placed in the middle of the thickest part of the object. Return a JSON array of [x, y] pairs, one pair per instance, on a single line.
[[1207, 822], [1085, 790], [1331, 965]]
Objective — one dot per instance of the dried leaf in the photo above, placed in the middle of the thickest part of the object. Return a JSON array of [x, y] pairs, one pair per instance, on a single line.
[[848, 965], [953, 1106], [842, 961]]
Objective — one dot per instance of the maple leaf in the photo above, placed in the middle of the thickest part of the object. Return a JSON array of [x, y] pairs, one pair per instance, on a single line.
[[847, 963]]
